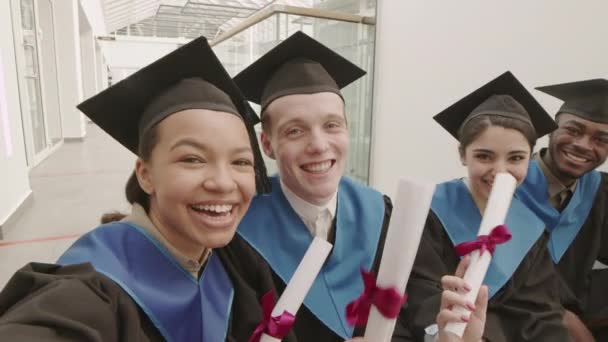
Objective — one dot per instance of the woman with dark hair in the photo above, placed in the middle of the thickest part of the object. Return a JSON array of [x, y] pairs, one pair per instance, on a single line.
[[170, 270], [497, 127]]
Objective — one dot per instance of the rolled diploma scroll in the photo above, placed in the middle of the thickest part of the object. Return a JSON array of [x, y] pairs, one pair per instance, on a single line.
[[410, 210], [301, 281], [494, 215]]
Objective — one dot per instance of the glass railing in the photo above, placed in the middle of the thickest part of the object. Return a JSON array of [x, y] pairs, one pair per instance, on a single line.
[[350, 36]]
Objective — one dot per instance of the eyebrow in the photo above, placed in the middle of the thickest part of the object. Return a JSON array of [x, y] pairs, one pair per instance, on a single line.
[[335, 116], [483, 150], [197, 145], [299, 121], [575, 123], [243, 149], [602, 133], [492, 152], [188, 142]]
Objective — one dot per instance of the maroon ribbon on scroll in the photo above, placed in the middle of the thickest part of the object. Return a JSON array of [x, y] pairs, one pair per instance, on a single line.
[[388, 301], [499, 235], [278, 326]]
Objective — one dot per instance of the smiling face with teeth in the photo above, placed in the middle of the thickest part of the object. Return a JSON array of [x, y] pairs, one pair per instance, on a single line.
[[200, 179], [308, 137], [496, 149], [576, 147]]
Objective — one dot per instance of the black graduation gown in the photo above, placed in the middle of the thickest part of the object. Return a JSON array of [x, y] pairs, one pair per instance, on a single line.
[[307, 326], [527, 307], [586, 290], [47, 302]]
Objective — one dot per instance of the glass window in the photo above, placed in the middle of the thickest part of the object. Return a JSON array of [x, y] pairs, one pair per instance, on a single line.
[[354, 41]]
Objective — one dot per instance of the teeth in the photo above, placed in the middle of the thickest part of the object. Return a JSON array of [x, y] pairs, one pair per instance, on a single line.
[[218, 208], [319, 167], [576, 158]]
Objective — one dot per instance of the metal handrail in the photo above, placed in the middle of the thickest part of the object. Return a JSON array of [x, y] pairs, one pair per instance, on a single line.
[[294, 10]]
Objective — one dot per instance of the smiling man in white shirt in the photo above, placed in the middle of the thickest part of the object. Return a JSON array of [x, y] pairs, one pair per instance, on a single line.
[[298, 86]]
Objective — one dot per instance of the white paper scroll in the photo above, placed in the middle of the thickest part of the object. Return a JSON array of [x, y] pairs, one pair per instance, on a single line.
[[301, 281], [266, 338], [410, 210], [494, 215]]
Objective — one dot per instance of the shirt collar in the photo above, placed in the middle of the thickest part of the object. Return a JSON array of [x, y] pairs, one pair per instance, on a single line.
[[555, 187], [139, 217], [308, 211]]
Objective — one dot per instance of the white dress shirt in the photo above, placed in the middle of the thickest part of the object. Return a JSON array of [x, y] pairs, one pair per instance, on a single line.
[[318, 219]]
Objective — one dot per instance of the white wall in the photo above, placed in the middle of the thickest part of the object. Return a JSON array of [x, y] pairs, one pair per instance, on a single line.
[[93, 11], [102, 70], [126, 55], [119, 74], [431, 53], [88, 56], [69, 67], [14, 182], [47, 42], [129, 54]]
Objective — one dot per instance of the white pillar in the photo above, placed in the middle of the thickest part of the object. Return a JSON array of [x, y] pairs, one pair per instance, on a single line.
[[69, 67], [88, 56], [102, 70]]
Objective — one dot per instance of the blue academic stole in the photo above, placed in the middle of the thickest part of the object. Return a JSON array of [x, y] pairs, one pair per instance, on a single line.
[[272, 227], [180, 306], [460, 217], [564, 226]]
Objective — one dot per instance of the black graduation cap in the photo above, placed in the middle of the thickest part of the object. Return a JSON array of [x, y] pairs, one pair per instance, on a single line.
[[298, 65], [191, 77], [587, 99], [503, 96]]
